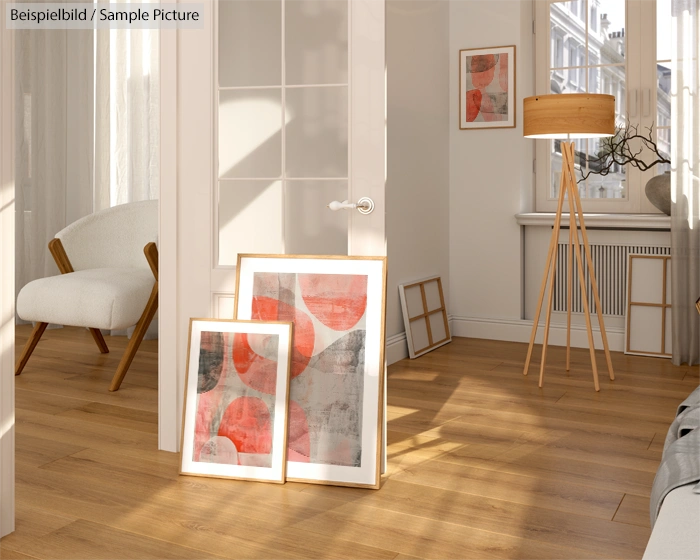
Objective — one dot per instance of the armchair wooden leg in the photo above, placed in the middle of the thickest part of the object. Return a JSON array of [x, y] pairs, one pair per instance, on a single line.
[[39, 329], [99, 340], [136, 338]]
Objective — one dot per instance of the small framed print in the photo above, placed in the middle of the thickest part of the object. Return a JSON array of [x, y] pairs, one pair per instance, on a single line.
[[487, 88], [236, 399]]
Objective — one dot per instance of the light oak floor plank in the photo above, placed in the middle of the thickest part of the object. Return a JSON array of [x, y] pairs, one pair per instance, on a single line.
[[633, 510], [86, 540], [6, 553]]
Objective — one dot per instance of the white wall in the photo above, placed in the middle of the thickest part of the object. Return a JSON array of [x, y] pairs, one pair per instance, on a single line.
[[417, 194], [7, 281], [490, 175]]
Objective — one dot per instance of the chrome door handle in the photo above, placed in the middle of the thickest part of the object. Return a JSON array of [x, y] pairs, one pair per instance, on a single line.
[[364, 205]]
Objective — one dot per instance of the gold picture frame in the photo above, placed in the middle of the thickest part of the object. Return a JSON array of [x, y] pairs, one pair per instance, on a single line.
[[487, 88], [338, 307], [235, 413]]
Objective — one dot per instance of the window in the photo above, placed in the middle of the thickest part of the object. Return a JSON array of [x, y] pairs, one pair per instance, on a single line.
[[601, 46]]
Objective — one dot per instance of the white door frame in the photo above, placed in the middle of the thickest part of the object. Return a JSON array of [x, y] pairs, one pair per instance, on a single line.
[[189, 159], [7, 280], [176, 174], [169, 389]]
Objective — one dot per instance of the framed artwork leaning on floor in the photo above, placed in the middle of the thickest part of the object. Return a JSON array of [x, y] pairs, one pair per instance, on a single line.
[[236, 400], [337, 305]]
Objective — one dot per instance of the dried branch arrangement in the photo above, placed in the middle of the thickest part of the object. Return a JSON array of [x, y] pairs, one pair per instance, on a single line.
[[617, 150]]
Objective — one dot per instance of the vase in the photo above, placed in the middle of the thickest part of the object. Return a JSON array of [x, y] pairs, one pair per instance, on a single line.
[[658, 191]]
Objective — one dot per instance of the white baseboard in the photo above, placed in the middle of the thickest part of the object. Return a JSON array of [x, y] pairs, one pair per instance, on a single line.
[[512, 331], [396, 348], [520, 330]]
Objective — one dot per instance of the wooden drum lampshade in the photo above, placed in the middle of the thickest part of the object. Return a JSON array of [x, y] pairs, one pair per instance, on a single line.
[[573, 115]]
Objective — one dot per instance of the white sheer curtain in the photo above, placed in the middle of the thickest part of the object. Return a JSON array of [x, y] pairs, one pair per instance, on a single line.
[[87, 132], [54, 142], [685, 182], [126, 116]]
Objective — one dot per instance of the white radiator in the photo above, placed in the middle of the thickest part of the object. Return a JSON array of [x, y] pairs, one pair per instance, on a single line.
[[610, 264]]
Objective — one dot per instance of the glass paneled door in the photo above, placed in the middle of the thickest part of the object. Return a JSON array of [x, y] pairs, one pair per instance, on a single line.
[[282, 83], [280, 109]]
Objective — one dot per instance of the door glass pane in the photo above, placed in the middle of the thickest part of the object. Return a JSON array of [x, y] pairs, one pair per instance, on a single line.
[[250, 219], [664, 21], [588, 43], [250, 133], [310, 228], [316, 135], [316, 37], [610, 36], [589, 163], [250, 34], [282, 127]]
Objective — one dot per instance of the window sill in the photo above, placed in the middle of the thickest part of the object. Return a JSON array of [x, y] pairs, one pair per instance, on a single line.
[[607, 221]]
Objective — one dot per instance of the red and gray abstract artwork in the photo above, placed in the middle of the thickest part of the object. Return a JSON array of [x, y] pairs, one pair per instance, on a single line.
[[328, 355], [237, 375], [487, 87], [236, 386]]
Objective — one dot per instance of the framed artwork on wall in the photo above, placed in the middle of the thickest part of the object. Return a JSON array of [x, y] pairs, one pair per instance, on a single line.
[[487, 88], [424, 315], [236, 399], [337, 305]]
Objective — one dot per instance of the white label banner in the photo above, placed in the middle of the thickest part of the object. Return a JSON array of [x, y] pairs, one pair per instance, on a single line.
[[137, 15]]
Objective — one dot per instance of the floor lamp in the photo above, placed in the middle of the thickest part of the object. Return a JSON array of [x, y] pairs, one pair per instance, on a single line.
[[573, 115]]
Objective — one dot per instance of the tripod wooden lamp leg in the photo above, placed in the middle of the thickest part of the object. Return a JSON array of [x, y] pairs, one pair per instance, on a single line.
[[549, 268], [594, 284], [568, 151]]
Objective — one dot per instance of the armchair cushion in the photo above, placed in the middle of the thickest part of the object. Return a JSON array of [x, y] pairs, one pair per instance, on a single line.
[[101, 298]]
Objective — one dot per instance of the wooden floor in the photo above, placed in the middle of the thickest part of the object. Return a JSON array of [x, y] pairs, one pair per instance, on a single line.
[[482, 464]]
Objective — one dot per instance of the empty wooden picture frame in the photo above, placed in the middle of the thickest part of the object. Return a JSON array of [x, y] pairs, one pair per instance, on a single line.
[[424, 315], [236, 399], [648, 321], [338, 306]]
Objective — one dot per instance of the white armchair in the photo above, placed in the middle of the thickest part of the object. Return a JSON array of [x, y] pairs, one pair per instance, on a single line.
[[105, 281]]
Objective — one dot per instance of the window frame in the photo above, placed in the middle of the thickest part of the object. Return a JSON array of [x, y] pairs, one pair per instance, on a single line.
[[639, 104]]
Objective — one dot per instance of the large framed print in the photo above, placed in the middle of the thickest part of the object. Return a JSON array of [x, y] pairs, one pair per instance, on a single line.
[[236, 399], [487, 88], [337, 305]]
